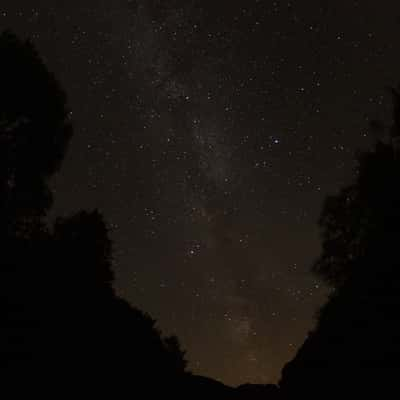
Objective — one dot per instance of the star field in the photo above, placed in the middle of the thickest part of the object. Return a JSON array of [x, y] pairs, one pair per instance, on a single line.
[[209, 134]]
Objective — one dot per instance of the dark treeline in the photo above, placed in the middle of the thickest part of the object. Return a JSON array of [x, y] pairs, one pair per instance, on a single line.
[[62, 326], [355, 347], [63, 330]]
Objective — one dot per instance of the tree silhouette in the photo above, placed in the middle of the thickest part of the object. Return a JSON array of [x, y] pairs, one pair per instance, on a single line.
[[62, 327], [34, 131], [355, 347], [34, 134], [359, 217]]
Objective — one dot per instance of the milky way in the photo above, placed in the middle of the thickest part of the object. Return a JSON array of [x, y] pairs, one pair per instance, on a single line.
[[209, 134]]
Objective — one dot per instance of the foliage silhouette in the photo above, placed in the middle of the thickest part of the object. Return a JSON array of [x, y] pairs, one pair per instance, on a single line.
[[62, 326], [355, 348], [34, 134], [34, 128]]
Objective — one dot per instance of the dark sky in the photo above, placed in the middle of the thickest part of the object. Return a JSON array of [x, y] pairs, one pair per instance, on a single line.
[[209, 134]]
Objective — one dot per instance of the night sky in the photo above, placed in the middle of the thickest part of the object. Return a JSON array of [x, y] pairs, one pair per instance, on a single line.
[[209, 134]]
